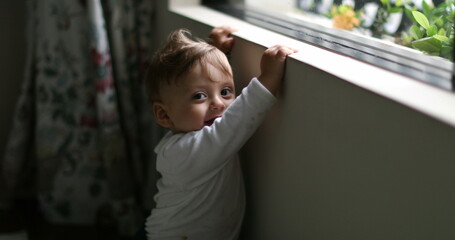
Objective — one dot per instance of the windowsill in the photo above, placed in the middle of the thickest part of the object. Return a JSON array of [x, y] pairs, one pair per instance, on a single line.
[[429, 100]]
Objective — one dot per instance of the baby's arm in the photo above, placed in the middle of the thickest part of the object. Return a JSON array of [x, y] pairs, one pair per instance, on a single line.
[[272, 67], [221, 38], [200, 153]]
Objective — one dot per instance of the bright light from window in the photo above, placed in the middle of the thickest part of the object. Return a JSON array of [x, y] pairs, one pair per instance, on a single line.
[[422, 25], [283, 6]]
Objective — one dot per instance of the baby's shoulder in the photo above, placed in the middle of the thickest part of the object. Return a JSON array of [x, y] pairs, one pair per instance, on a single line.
[[177, 141]]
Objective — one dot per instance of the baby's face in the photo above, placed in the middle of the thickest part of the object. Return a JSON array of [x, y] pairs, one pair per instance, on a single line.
[[198, 99]]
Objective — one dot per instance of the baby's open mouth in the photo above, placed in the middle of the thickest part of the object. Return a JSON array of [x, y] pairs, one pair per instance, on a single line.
[[210, 122]]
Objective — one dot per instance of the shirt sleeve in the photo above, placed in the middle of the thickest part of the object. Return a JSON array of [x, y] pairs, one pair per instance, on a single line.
[[194, 157]]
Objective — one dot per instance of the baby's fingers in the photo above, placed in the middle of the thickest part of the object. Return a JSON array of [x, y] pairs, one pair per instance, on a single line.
[[221, 38], [282, 51], [224, 29]]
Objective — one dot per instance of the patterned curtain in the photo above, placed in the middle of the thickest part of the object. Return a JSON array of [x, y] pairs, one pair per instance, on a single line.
[[82, 137]]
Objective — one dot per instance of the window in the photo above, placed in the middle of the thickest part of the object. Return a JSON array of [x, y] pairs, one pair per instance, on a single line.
[[410, 37]]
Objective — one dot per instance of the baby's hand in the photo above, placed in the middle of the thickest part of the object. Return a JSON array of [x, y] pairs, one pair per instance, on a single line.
[[272, 67], [221, 38]]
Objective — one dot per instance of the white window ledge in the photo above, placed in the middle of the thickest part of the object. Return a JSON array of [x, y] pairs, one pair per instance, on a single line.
[[429, 100]]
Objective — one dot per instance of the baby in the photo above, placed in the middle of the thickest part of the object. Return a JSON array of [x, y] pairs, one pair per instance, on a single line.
[[201, 193]]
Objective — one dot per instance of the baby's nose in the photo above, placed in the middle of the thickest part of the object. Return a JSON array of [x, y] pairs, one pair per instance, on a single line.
[[217, 104]]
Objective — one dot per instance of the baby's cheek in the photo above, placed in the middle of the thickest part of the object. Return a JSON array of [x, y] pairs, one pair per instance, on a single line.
[[197, 113]]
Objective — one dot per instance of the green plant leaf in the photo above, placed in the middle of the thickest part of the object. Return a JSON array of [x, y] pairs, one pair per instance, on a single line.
[[385, 2], [406, 38], [408, 12], [426, 9], [441, 38], [443, 5], [442, 32], [415, 31], [439, 21], [432, 30], [344, 9], [421, 19], [396, 10], [428, 44]]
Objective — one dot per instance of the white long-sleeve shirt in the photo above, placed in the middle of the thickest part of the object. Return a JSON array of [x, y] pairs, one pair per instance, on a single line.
[[201, 193]]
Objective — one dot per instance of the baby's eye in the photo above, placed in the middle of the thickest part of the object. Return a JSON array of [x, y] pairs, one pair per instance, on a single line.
[[198, 96], [226, 92]]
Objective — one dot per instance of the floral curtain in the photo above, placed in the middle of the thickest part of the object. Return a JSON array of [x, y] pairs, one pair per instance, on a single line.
[[82, 135]]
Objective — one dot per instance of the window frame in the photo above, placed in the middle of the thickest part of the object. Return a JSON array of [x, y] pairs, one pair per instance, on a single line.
[[432, 70]]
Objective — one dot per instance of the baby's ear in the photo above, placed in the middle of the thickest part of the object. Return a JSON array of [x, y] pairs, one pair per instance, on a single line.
[[161, 116]]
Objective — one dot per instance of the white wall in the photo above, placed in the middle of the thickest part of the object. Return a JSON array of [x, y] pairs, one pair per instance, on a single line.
[[12, 59], [335, 161]]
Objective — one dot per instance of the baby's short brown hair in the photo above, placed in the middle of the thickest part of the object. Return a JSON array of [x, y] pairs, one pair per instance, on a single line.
[[177, 57]]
